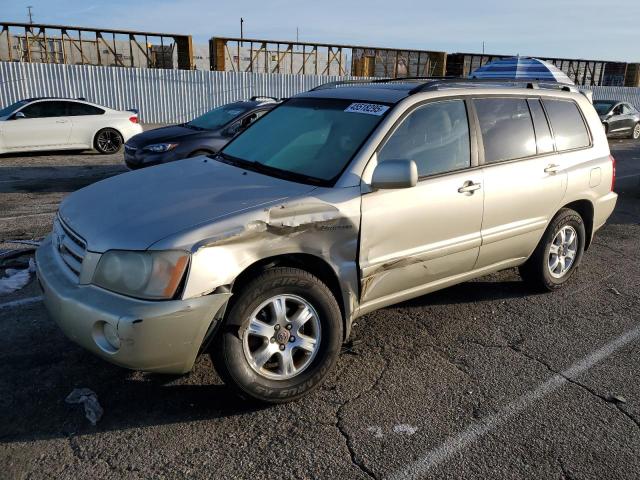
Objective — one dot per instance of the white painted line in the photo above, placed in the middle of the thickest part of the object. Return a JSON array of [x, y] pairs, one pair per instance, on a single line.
[[454, 444], [21, 302]]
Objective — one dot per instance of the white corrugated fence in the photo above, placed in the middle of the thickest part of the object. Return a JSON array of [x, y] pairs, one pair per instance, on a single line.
[[173, 96]]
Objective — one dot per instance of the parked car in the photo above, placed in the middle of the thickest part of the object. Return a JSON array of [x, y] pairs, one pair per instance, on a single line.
[[338, 202], [64, 124], [619, 118], [203, 135]]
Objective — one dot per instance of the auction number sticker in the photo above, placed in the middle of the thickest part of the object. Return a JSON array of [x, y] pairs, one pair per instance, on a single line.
[[368, 108]]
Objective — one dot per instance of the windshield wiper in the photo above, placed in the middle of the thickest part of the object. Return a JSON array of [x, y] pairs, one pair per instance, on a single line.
[[268, 170]]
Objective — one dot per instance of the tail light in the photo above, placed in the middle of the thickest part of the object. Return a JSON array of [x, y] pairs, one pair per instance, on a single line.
[[133, 119], [613, 172]]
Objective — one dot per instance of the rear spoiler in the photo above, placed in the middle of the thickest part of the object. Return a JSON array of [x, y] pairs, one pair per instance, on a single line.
[[133, 110]]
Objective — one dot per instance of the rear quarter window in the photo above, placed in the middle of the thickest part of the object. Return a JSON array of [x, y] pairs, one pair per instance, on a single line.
[[568, 126]]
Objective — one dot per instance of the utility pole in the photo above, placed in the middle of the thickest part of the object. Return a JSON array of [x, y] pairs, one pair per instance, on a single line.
[[297, 35], [30, 14], [483, 47], [241, 28]]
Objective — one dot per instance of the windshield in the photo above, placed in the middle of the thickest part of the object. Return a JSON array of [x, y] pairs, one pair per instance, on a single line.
[[219, 117], [603, 107], [310, 138], [5, 112]]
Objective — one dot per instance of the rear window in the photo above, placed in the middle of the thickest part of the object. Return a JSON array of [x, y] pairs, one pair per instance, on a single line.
[[569, 129], [507, 128]]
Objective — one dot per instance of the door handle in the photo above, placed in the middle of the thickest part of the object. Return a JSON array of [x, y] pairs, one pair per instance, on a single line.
[[552, 169], [61, 121], [469, 187]]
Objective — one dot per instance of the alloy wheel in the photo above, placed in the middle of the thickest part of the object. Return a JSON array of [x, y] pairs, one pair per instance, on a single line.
[[562, 252], [109, 141], [282, 338]]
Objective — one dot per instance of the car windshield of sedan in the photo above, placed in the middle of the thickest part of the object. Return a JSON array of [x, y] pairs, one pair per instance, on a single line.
[[311, 140], [5, 112], [218, 117], [603, 107]]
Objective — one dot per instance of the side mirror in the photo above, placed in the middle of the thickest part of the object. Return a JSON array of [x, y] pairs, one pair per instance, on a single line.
[[395, 174], [19, 115]]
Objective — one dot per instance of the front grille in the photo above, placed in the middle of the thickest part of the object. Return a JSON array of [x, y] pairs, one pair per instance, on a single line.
[[70, 246]]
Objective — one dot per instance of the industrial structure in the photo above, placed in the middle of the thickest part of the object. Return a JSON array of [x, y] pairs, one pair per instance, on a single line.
[[43, 43]]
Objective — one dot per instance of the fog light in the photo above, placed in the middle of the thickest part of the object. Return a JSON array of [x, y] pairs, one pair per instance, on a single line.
[[111, 335]]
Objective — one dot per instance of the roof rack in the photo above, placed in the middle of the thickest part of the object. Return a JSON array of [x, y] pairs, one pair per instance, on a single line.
[[531, 83], [437, 83], [363, 81]]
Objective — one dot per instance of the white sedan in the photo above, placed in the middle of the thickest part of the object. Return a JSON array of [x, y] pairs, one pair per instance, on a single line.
[[62, 123]]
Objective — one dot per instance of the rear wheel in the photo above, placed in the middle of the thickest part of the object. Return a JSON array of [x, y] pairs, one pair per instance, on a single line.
[[108, 141], [281, 336], [635, 133], [558, 254]]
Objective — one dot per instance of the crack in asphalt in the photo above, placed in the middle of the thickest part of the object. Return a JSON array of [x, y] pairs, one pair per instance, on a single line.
[[575, 382], [340, 423]]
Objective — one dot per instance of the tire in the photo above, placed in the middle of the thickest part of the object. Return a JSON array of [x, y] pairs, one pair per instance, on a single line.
[[197, 153], [108, 141], [635, 133], [238, 351], [538, 271]]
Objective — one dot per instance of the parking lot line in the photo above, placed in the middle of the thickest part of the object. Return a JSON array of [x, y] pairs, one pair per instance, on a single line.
[[20, 302], [475, 431]]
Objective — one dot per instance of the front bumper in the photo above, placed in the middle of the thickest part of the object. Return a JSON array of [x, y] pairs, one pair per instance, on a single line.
[[156, 336]]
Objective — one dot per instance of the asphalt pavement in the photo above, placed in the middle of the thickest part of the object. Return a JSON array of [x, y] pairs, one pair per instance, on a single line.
[[482, 380]]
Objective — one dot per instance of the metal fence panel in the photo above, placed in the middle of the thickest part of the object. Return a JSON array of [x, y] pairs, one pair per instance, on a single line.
[[161, 96], [173, 96]]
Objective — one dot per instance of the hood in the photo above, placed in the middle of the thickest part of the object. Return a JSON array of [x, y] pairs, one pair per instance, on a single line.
[[136, 209], [164, 134]]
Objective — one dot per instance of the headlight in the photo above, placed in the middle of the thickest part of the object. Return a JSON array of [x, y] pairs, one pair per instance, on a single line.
[[160, 147], [150, 275]]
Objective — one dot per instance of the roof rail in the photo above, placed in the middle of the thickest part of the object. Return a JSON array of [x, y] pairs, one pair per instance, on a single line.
[[363, 81], [532, 83]]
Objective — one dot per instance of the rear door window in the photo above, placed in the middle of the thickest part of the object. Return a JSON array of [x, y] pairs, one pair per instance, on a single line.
[[507, 128], [544, 140], [569, 129], [435, 136]]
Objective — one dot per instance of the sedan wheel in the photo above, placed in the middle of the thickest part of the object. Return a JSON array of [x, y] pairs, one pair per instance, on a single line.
[[108, 141], [636, 132]]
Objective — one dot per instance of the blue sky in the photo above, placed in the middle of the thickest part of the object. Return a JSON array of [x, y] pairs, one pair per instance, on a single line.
[[594, 29]]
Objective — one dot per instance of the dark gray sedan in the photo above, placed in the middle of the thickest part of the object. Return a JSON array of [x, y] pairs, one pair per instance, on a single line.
[[619, 118], [203, 135]]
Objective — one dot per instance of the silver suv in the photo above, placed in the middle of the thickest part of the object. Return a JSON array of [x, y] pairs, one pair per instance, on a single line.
[[339, 201]]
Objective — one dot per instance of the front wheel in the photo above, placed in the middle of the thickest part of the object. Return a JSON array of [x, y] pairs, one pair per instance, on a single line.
[[281, 336], [108, 141], [558, 254]]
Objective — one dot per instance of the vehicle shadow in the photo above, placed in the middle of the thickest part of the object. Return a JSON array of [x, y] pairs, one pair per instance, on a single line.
[[49, 153], [52, 179], [130, 400]]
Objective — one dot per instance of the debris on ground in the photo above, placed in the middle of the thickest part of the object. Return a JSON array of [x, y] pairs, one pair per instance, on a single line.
[[92, 408], [16, 279], [350, 346], [404, 429], [614, 398], [614, 290]]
